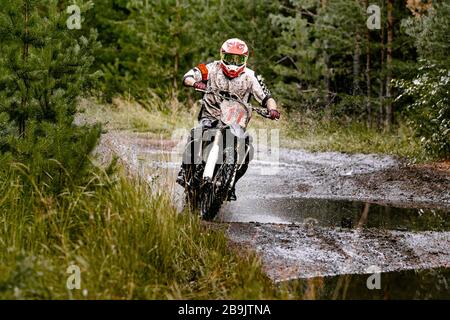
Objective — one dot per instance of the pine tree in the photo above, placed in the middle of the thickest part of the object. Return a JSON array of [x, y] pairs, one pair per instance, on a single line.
[[149, 45], [110, 18], [342, 25], [299, 66], [427, 93], [164, 32], [44, 68]]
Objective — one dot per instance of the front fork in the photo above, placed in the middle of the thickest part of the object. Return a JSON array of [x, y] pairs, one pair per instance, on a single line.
[[214, 154]]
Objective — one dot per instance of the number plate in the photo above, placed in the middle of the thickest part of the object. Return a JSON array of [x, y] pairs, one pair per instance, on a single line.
[[233, 112]]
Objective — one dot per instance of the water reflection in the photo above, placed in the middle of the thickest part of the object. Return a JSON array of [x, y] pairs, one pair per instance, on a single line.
[[335, 213], [408, 284]]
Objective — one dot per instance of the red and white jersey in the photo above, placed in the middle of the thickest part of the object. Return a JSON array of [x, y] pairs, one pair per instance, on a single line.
[[246, 85]]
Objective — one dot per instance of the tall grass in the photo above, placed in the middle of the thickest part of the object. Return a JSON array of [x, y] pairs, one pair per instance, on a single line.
[[128, 241], [352, 137], [159, 118], [297, 130], [319, 134]]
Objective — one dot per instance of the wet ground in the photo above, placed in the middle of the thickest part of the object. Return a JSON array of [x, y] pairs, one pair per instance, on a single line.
[[328, 219]]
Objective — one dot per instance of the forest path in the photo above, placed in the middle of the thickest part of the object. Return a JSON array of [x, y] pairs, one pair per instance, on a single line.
[[318, 214]]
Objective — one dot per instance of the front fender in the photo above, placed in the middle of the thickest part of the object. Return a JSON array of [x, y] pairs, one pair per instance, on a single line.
[[238, 131]]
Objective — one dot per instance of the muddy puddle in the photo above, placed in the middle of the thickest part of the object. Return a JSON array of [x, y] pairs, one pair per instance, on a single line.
[[335, 213], [408, 284]]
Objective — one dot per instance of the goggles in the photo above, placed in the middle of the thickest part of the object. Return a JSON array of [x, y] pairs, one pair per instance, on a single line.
[[233, 59]]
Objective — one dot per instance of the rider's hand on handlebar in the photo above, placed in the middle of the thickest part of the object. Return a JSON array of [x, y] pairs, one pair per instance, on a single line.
[[274, 114], [199, 85]]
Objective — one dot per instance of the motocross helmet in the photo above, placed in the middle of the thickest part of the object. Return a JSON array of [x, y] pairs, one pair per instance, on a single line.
[[233, 56]]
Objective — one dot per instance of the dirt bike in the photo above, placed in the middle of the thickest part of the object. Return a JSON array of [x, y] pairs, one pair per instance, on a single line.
[[224, 149]]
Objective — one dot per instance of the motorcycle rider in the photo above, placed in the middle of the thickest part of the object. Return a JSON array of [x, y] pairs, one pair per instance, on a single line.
[[229, 76]]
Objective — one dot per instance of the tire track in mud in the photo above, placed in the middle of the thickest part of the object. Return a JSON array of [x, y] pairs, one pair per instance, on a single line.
[[293, 251], [299, 250]]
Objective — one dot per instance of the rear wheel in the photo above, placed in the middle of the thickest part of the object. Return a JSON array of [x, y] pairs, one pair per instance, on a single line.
[[192, 200]]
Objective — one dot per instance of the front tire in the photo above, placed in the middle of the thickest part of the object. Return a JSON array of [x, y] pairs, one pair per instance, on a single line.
[[192, 200], [210, 201]]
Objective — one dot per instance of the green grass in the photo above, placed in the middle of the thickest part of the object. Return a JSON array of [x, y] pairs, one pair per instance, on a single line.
[[160, 119], [353, 137], [296, 130], [299, 131], [128, 241]]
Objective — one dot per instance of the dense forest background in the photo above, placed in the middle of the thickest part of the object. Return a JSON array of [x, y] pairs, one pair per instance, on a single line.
[[326, 61], [318, 56]]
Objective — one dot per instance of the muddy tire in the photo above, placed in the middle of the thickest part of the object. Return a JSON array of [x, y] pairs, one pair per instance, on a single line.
[[210, 202], [192, 201]]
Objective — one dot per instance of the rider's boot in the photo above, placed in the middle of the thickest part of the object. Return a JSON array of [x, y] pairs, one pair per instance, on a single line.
[[232, 192], [181, 178], [232, 195]]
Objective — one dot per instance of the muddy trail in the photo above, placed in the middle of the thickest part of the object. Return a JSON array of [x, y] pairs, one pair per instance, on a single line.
[[326, 215]]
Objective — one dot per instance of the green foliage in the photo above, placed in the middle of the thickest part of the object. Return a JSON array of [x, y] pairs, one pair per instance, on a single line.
[[350, 136], [149, 45], [146, 45], [44, 67], [427, 94], [316, 56], [430, 33], [297, 68]]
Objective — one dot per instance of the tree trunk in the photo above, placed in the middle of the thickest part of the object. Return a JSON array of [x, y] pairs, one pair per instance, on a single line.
[[177, 49], [25, 54], [356, 64], [326, 81], [390, 38], [368, 82], [382, 80], [175, 76]]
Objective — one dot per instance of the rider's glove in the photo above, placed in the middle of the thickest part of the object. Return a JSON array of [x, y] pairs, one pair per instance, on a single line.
[[274, 114], [199, 85]]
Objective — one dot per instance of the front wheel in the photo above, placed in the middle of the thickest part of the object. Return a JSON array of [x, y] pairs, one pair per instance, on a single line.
[[210, 201], [192, 200]]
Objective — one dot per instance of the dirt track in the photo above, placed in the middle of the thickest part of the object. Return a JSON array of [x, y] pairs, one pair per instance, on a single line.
[[300, 238]]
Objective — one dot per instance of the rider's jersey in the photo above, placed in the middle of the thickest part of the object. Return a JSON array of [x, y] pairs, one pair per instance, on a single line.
[[246, 85]]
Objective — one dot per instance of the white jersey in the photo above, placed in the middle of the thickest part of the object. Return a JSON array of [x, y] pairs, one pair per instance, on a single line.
[[246, 85]]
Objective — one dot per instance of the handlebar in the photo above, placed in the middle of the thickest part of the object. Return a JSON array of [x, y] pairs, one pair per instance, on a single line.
[[261, 111]]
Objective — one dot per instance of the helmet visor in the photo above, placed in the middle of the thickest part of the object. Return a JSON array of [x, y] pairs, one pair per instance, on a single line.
[[233, 59]]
